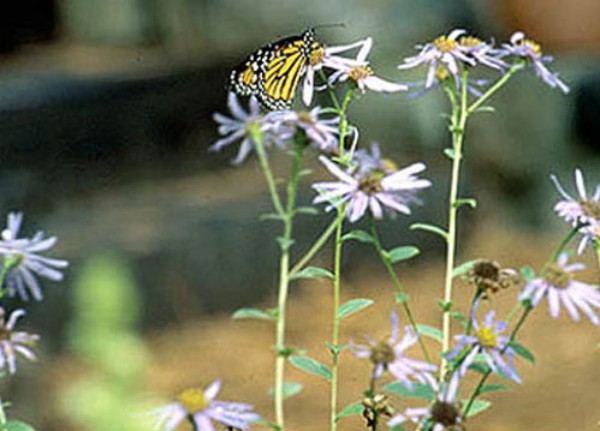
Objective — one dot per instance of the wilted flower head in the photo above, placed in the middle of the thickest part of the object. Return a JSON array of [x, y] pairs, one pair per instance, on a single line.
[[489, 277], [322, 132], [444, 414], [13, 342], [199, 407], [21, 256], [362, 74], [245, 126], [389, 355], [488, 343], [531, 51], [373, 189], [558, 284], [584, 210]]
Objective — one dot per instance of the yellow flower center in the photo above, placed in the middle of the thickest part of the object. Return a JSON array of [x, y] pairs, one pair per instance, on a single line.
[[591, 208], [316, 55], [470, 41], [382, 353], [441, 73], [389, 165], [533, 46], [304, 117], [444, 44], [371, 184], [487, 337], [360, 72], [558, 277], [192, 400]]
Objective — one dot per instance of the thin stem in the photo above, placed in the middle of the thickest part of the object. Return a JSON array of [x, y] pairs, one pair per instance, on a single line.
[[459, 120], [598, 252], [318, 244], [560, 247], [268, 173], [335, 335], [397, 286], [284, 279], [490, 92]]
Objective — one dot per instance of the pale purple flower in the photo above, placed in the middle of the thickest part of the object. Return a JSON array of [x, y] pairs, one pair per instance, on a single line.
[[531, 51], [443, 414], [557, 283], [322, 132], [24, 261], [199, 406], [488, 343], [362, 74], [373, 190], [482, 52], [242, 125], [474, 86], [444, 51], [13, 342], [327, 57], [584, 210], [389, 355]]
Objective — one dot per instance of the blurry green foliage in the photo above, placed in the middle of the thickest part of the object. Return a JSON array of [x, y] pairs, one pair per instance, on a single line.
[[103, 335]]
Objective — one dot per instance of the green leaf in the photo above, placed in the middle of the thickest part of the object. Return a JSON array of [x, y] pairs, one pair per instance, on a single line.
[[416, 390], [310, 366], [485, 109], [492, 388], [289, 389], [527, 273], [270, 216], [462, 319], [522, 351], [465, 201], [464, 268], [480, 367], [431, 332], [401, 298], [285, 244], [359, 235], [306, 172], [17, 426], [430, 228], [306, 210], [329, 110], [397, 428], [449, 152], [402, 253], [353, 306], [445, 306], [312, 272], [477, 407], [336, 349], [351, 409], [252, 313]]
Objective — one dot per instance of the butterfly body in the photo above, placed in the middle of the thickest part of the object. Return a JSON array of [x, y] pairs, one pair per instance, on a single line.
[[273, 72]]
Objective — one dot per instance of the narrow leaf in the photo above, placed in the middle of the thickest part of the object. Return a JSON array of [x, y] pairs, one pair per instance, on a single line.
[[17, 426], [351, 409], [285, 244], [431, 332], [445, 306], [527, 273], [465, 201], [252, 313], [416, 390], [270, 216], [358, 235], [464, 268], [485, 109], [401, 298], [430, 228], [353, 306], [492, 388], [449, 152], [307, 210], [522, 351], [310, 366], [462, 319], [402, 253], [289, 389], [312, 272], [477, 407]]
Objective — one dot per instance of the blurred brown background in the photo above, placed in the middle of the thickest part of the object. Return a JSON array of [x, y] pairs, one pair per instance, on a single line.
[[105, 117]]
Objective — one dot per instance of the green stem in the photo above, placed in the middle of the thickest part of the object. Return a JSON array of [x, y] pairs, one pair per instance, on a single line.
[[318, 244], [560, 247], [335, 335], [459, 120], [397, 285], [284, 279], [598, 251], [493, 89], [267, 172]]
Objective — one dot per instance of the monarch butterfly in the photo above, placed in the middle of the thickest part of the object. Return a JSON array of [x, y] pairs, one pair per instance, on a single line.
[[272, 73]]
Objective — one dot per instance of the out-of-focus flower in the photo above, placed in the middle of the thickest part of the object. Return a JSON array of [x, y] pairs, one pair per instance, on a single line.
[[244, 126], [327, 57], [445, 51], [489, 277], [322, 132], [362, 74], [373, 190], [13, 342], [474, 86], [488, 343], [389, 355], [482, 52], [557, 283], [442, 415], [531, 51], [200, 407], [584, 210], [23, 262]]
